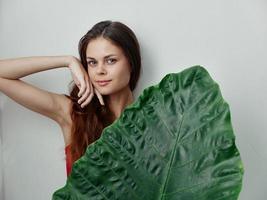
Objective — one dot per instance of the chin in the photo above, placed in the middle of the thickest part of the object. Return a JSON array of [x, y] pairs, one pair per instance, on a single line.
[[108, 91], [104, 91]]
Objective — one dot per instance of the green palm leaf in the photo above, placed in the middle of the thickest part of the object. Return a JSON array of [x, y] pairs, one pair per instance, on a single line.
[[175, 142]]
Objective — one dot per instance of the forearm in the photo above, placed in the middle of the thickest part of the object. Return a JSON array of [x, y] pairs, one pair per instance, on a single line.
[[15, 68]]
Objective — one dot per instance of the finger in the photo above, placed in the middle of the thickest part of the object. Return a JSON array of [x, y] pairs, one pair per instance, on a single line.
[[87, 101], [82, 89], [84, 96], [90, 86], [99, 96], [87, 91], [77, 82]]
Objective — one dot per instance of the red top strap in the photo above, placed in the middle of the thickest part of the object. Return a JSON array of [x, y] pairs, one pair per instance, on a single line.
[[68, 160]]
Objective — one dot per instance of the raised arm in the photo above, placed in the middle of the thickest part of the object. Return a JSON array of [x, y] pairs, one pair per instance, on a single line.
[[15, 68], [52, 105]]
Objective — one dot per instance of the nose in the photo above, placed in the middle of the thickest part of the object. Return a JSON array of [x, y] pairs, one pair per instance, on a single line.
[[101, 69]]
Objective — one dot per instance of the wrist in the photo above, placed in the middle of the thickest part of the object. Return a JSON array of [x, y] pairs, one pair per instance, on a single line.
[[69, 59]]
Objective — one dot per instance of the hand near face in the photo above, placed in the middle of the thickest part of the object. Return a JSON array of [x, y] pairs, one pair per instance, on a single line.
[[82, 80]]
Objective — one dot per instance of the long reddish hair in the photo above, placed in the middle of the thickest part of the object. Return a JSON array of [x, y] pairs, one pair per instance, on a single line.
[[88, 122]]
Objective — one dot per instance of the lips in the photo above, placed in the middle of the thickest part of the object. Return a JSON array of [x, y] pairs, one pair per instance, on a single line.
[[103, 82]]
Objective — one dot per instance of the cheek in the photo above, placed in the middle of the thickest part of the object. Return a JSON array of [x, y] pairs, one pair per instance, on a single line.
[[125, 71], [126, 80], [124, 76], [90, 74]]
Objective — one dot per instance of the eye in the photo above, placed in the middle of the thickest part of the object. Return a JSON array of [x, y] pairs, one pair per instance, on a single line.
[[89, 62], [111, 59]]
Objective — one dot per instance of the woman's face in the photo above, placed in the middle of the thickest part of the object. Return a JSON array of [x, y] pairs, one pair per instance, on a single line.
[[106, 61]]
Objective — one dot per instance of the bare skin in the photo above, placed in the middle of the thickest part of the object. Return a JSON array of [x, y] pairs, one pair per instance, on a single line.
[[58, 107], [115, 68]]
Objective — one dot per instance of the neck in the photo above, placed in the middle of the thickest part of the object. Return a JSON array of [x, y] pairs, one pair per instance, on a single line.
[[118, 101]]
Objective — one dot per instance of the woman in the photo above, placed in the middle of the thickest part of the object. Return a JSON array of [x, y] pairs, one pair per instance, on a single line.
[[105, 76]]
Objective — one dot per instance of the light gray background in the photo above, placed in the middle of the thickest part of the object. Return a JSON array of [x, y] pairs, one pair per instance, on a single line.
[[227, 37]]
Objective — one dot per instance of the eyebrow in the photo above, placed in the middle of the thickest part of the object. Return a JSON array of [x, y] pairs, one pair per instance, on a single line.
[[104, 57]]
